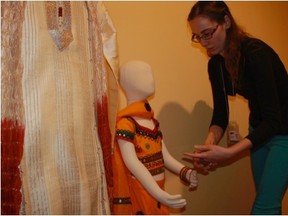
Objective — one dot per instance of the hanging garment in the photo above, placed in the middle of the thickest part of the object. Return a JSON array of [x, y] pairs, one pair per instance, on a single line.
[[55, 101]]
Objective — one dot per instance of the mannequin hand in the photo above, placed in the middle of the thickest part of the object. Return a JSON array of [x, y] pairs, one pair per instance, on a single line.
[[172, 201], [192, 178]]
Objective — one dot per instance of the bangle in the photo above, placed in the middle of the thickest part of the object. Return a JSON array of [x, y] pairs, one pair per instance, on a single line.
[[182, 174]]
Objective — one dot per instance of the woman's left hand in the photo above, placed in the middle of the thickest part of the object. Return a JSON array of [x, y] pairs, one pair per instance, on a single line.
[[210, 153]]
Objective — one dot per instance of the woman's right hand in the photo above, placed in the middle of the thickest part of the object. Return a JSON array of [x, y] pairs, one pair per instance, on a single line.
[[214, 135], [200, 164]]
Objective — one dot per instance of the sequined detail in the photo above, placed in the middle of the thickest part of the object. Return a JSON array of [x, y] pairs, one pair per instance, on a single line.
[[124, 134], [122, 200], [148, 134], [59, 22]]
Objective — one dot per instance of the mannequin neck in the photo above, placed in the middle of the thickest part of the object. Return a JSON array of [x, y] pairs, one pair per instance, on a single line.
[[134, 100]]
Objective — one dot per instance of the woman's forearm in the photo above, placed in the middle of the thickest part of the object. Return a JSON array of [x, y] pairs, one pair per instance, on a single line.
[[214, 135], [241, 146]]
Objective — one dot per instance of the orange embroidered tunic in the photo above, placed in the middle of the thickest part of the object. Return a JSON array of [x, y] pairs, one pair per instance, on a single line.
[[129, 196]]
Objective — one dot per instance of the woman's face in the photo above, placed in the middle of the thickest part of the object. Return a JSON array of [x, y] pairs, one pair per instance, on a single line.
[[209, 34]]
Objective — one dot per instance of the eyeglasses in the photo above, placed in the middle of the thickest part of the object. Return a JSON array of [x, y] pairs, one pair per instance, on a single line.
[[206, 35]]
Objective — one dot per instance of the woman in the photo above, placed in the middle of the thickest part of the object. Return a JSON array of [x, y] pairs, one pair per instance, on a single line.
[[249, 67]]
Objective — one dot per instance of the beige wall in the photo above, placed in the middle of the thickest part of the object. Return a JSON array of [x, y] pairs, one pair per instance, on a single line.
[[157, 32]]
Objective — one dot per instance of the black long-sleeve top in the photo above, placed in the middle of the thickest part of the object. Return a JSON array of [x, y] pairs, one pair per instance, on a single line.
[[263, 81]]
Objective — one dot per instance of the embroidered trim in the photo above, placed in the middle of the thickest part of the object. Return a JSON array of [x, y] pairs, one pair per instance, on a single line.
[[146, 133], [122, 201], [124, 134], [59, 22], [12, 107], [157, 171], [154, 163], [152, 158]]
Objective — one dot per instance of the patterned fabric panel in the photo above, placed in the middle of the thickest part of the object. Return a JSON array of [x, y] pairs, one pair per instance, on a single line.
[[147, 143]]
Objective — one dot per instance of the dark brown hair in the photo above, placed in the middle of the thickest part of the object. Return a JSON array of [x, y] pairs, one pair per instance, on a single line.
[[216, 11]]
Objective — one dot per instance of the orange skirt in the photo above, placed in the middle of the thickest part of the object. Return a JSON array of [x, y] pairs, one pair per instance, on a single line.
[[129, 196], [141, 202]]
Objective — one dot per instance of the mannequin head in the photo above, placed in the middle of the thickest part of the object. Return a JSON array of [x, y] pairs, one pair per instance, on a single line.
[[137, 81]]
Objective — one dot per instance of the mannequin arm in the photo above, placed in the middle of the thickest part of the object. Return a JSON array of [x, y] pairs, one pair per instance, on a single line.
[[143, 175], [170, 162], [175, 166]]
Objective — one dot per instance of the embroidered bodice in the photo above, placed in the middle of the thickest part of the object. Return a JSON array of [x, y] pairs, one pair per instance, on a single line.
[[147, 142]]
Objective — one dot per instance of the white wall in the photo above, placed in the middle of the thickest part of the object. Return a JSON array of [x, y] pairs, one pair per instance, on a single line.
[[157, 32]]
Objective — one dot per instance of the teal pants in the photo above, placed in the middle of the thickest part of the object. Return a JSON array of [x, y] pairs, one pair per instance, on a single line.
[[270, 171]]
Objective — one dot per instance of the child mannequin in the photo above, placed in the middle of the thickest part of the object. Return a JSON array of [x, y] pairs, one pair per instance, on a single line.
[[140, 154]]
